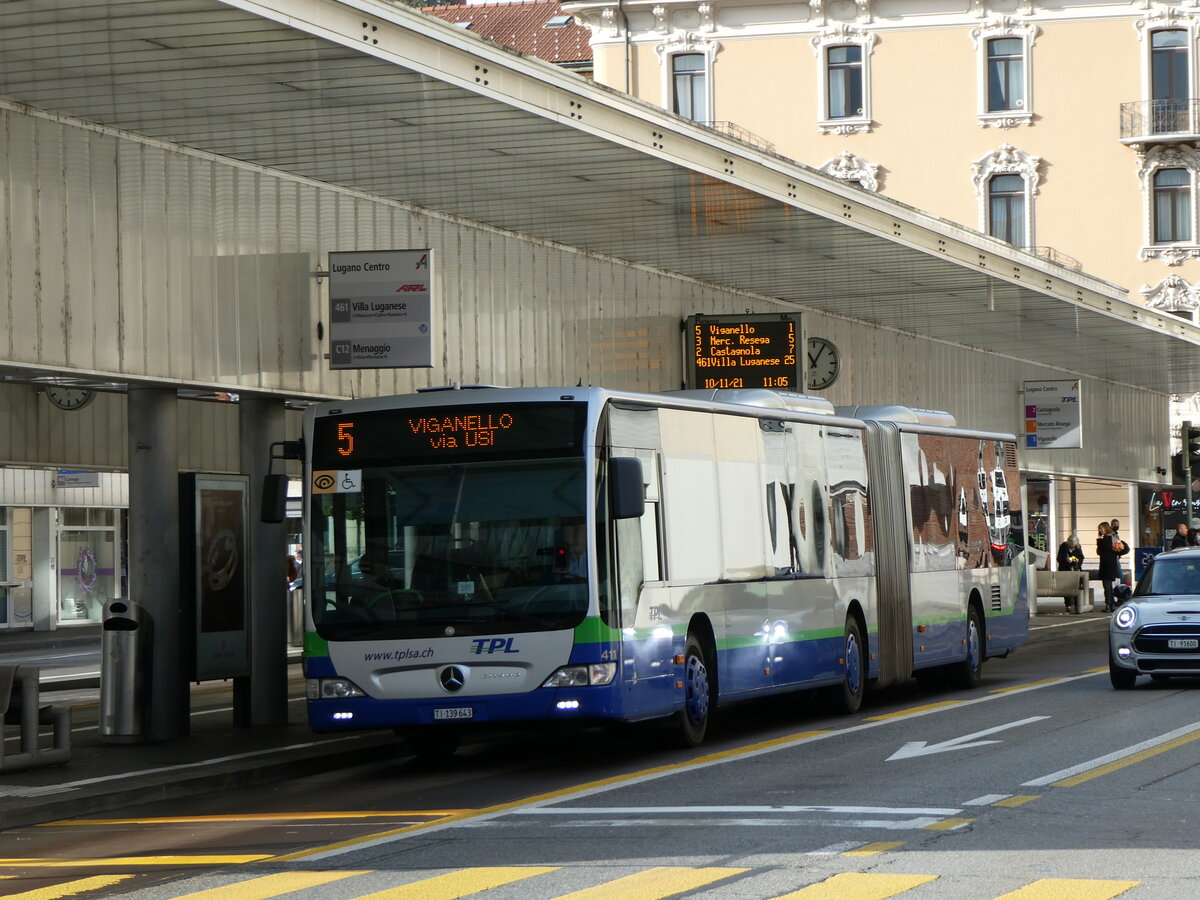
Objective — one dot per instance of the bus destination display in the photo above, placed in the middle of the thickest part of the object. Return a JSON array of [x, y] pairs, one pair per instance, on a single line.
[[447, 433], [751, 351]]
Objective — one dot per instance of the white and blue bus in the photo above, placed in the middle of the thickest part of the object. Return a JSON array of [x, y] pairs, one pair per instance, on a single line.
[[498, 555]]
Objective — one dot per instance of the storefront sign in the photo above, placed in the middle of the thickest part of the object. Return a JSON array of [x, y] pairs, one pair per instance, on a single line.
[[381, 309], [1053, 417]]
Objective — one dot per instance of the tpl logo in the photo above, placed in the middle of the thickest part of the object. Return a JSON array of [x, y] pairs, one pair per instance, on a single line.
[[493, 645]]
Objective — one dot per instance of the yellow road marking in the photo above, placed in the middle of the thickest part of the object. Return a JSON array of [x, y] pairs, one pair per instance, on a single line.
[[1127, 761], [263, 817], [459, 884], [555, 795], [1021, 687], [68, 888], [1016, 800], [652, 884], [231, 859], [859, 886], [913, 709], [272, 885], [1070, 889], [948, 824], [873, 849], [1095, 671]]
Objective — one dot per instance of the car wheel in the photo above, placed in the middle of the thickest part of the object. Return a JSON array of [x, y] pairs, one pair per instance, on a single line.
[[1122, 679], [697, 694], [966, 674]]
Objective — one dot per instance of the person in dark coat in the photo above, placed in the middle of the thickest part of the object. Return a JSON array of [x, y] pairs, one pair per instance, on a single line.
[[1110, 549], [1070, 555], [1180, 537]]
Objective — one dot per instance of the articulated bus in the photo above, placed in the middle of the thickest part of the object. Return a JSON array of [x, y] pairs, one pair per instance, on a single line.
[[500, 556]]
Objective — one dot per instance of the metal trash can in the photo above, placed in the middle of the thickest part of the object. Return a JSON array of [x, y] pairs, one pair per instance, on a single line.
[[125, 640]]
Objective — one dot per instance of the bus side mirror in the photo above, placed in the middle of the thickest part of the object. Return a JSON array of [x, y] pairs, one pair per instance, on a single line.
[[274, 499], [626, 490]]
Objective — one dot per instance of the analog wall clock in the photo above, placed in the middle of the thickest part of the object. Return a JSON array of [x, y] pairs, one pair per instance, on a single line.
[[824, 363], [69, 398]]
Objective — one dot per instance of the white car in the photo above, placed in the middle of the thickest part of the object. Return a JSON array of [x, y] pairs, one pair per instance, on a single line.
[[1156, 630]]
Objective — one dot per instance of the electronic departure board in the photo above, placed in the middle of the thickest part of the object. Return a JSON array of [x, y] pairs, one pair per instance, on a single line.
[[750, 351], [421, 435]]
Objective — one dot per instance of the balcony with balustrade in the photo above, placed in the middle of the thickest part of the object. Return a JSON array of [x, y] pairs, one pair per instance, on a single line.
[[1145, 122]]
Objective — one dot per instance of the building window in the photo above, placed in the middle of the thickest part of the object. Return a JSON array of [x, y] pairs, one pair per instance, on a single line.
[[1168, 174], [1005, 89], [843, 55], [689, 95], [1006, 183], [844, 82], [1005, 74], [1172, 206], [1169, 83], [1006, 208]]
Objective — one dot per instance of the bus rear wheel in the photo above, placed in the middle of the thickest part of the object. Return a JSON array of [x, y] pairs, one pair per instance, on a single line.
[[697, 694], [967, 673]]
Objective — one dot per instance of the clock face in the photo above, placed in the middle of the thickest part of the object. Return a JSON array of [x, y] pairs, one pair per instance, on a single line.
[[68, 397], [824, 363]]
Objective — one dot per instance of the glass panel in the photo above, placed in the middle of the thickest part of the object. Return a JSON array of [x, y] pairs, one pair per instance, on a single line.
[[73, 517], [1006, 88], [475, 548], [1170, 177], [1007, 184], [1172, 38], [689, 62], [844, 82], [86, 573]]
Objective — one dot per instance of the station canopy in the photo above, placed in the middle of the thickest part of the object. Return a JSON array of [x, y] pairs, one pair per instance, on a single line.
[[376, 97]]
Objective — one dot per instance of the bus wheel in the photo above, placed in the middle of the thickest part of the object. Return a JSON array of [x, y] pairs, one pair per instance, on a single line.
[[848, 696], [697, 694], [432, 744], [966, 674]]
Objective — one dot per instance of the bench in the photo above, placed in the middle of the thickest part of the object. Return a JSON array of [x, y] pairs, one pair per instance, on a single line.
[[19, 705], [1072, 587]]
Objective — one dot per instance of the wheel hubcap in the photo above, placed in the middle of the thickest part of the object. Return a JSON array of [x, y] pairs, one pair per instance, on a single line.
[[853, 665], [696, 676]]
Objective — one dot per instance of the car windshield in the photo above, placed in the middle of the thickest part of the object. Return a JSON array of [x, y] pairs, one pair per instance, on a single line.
[[1170, 575], [476, 548]]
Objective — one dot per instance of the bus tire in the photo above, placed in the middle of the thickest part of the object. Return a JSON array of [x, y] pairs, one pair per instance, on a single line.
[[697, 694], [432, 744], [966, 674], [848, 696]]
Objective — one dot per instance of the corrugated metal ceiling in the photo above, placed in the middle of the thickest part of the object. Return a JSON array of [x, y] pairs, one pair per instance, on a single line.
[[384, 100]]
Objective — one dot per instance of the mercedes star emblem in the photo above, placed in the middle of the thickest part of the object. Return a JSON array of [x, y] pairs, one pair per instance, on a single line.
[[452, 678]]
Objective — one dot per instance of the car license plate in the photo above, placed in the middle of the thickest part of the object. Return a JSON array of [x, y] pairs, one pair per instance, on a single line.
[[457, 712], [1183, 643]]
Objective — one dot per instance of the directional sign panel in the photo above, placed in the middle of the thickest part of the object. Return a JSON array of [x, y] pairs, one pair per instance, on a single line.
[[381, 309]]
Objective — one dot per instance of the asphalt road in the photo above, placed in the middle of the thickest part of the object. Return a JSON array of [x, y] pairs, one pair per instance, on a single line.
[[1043, 783]]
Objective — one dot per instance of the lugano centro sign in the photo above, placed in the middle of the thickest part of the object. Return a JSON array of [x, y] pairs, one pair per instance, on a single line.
[[381, 309]]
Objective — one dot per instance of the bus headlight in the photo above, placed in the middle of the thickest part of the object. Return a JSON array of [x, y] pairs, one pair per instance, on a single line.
[[1125, 616], [332, 689], [582, 676]]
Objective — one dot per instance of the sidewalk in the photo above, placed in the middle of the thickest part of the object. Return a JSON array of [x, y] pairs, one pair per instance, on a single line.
[[216, 756]]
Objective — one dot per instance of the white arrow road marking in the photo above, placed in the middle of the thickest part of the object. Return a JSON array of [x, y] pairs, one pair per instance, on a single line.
[[924, 748]]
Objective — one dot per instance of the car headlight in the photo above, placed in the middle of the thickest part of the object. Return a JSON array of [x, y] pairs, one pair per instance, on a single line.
[[332, 689], [582, 676], [1125, 617]]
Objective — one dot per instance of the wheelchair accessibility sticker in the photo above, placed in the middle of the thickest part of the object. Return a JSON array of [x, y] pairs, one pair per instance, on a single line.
[[333, 481]]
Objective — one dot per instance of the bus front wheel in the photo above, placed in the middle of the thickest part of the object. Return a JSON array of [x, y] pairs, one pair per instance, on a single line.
[[697, 694]]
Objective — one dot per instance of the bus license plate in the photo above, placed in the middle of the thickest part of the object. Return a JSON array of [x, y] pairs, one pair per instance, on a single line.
[[454, 712], [1183, 643]]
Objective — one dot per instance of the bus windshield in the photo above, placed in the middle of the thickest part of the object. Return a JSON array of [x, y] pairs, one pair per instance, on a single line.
[[461, 549]]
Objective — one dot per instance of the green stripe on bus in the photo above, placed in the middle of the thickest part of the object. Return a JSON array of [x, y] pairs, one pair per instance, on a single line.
[[315, 645]]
